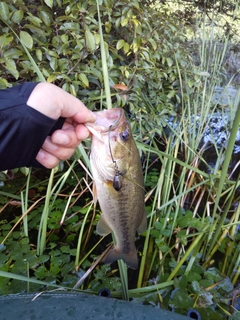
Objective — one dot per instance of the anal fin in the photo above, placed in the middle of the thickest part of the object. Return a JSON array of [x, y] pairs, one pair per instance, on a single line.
[[103, 228]]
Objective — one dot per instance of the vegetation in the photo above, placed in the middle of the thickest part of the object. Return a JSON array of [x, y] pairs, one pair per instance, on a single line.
[[190, 254]]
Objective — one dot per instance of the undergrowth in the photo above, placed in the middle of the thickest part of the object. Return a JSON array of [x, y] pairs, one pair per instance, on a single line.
[[190, 253]]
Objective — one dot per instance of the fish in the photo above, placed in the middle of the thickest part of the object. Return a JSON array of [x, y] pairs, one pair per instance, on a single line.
[[119, 184]]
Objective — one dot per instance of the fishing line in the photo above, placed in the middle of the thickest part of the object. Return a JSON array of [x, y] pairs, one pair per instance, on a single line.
[[117, 180], [109, 145]]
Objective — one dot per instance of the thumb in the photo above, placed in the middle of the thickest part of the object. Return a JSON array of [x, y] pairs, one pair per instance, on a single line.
[[54, 102]]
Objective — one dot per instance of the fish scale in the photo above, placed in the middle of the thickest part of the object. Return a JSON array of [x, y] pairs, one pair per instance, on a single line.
[[114, 154]]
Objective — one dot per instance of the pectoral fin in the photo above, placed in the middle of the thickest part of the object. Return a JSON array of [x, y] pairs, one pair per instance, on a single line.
[[103, 228], [143, 224]]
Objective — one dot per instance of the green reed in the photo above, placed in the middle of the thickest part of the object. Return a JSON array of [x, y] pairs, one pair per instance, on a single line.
[[178, 181]]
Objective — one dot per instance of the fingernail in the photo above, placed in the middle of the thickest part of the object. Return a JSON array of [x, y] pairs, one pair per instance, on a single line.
[[94, 117], [41, 154]]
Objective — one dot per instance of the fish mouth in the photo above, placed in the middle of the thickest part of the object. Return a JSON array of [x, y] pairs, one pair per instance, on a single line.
[[106, 120]]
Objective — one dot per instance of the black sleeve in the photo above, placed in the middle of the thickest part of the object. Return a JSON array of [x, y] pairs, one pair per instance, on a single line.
[[22, 128]]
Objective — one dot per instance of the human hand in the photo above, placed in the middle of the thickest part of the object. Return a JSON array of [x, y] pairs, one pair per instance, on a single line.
[[54, 103]]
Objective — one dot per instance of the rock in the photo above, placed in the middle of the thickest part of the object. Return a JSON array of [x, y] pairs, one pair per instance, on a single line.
[[224, 96]]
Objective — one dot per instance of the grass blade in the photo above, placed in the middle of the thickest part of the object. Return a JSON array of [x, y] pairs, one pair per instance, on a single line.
[[32, 280], [223, 176], [104, 62], [44, 218]]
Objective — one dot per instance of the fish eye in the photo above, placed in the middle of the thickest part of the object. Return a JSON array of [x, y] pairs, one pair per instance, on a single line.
[[124, 135]]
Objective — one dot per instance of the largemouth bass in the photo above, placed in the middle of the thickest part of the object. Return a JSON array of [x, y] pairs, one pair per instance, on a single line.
[[118, 178]]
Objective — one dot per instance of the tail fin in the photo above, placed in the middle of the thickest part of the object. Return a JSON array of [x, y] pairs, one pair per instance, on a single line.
[[131, 258]]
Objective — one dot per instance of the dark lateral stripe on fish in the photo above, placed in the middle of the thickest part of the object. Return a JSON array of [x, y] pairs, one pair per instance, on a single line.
[[119, 183]]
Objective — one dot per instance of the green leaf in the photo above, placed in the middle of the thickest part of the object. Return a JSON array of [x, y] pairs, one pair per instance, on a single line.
[[124, 22], [90, 40], [126, 47], [45, 18], [108, 26], [49, 3], [17, 16], [144, 54], [39, 54], [5, 40], [169, 62], [153, 43], [72, 90], [120, 44], [64, 38], [11, 67], [158, 225], [181, 298], [84, 80], [136, 44], [118, 22], [53, 63], [35, 21], [26, 39], [234, 316], [4, 11], [193, 277], [12, 53], [51, 78]]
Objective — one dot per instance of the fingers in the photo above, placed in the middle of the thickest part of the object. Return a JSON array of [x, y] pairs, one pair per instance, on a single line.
[[69, 135], [46, 159], [60, 151], [55, 102], [50, 154], [61, 145]]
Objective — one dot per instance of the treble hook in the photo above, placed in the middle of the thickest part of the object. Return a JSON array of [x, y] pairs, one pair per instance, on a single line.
[[117, 180]]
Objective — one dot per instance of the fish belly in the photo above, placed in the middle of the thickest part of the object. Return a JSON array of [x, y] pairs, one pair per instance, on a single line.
[[123, 212]]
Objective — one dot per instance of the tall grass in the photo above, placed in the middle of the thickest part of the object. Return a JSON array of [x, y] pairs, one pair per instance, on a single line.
[[180, 184]]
